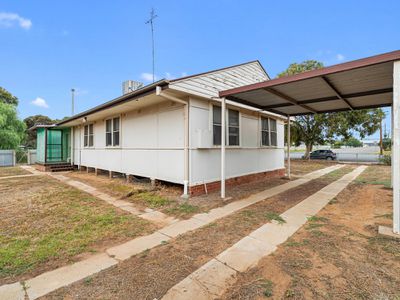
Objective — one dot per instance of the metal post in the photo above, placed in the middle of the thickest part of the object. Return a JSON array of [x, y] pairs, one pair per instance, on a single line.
[[45, 145], [391, 145], [223, 133], [396, 147], [288, 146]]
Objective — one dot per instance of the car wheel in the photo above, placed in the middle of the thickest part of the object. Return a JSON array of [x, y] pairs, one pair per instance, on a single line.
[[329, 158]]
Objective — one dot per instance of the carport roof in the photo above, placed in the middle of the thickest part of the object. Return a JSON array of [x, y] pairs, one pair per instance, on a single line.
[[358, 84]]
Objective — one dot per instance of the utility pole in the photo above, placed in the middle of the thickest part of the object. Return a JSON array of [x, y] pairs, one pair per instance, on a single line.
[[73, 100], [151, 22], [380, 139]]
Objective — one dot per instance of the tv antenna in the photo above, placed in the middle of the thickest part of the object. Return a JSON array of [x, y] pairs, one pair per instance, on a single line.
[[151, 22]]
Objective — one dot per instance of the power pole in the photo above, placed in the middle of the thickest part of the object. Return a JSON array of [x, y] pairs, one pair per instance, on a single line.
[[73, 100], [380, 139], [151, 22]]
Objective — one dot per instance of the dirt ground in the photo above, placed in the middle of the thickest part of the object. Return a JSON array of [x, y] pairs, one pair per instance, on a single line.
[[166, 197], [12, 171], [337, 255], [46, 224], [300, 167], [150, 274]]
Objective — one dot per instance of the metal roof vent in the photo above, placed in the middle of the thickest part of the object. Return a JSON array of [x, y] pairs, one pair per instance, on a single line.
[[130, 86]]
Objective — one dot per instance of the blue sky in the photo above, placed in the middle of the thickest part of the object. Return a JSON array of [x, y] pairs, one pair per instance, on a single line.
[[48, 47]]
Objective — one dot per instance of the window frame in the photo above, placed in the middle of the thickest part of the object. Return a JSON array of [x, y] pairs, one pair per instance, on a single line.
[[269, 131], [86, 136], [112, 131], [227, 126]]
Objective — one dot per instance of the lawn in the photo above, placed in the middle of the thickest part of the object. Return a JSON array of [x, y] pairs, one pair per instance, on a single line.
[[12, 171], [45, 224]]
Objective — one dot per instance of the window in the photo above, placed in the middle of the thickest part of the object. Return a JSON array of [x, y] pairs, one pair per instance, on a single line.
[[116, 132], [217, 125], [265, 132], [274, 135], [88, 136], [269, 136], [112, 132], [233, 127], [108, 133]]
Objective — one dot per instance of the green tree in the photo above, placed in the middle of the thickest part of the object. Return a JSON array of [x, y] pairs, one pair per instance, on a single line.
[[326, 127], [30, 140], [353, 142], [12, 130], [387, 142], [296, 68], [7, 97]]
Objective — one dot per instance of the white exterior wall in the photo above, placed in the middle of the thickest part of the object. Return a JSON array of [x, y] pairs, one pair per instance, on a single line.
[[248, 158], [152, 138], [151, 144]]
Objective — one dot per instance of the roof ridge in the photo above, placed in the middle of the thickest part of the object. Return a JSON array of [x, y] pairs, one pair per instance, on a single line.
[[222, 69]]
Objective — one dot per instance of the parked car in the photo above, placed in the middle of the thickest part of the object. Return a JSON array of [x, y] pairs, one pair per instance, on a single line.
[[323, 154]]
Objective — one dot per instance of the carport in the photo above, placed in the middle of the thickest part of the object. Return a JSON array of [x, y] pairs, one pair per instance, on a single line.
[[370, 82]]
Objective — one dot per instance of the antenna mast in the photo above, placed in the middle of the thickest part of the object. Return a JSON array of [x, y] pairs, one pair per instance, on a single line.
[[151, 22]]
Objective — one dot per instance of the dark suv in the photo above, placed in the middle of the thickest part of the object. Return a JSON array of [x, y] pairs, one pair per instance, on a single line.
[[323, 154]]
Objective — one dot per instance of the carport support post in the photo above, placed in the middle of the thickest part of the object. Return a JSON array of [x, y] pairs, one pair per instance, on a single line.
[[288, 146], [396, 147], [223, 132]]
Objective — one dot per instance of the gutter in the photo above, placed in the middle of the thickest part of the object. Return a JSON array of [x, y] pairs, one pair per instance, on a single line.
[[163, 94], [149, 89]]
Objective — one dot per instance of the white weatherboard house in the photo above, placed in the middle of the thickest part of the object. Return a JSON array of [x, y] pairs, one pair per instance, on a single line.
[[171, 131]]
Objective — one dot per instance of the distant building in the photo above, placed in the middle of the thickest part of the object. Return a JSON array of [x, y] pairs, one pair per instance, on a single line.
[[370, 143]]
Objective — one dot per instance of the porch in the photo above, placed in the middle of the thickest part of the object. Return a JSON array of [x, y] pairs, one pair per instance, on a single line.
[[53, 148]]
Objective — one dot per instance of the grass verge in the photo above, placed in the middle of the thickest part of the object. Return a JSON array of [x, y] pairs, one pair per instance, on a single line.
[[46, 223]]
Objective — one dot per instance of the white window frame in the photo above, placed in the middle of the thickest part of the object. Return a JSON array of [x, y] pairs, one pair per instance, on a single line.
[[88, 135], [269, 132], [112, 131], [226, 127]]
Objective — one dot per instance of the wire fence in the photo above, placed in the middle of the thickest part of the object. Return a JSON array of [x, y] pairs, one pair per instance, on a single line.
[[348, 157]]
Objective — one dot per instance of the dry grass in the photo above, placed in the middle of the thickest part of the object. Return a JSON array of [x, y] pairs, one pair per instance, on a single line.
[[167, 198], [12, 171], [337, 255], [45, 224], [300, 167], [150, 274], [377, 175]]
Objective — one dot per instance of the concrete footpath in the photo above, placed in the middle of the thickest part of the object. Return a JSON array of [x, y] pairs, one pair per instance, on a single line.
[[212, 279], [52, 280]]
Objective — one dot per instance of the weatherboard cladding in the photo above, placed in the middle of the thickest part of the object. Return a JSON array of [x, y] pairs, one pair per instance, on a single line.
[[210, 84]]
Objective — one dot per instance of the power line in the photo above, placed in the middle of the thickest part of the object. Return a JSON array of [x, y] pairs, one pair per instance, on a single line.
[[151, 22]]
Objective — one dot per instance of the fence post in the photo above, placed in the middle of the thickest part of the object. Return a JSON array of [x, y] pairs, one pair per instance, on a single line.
[[14, 158]]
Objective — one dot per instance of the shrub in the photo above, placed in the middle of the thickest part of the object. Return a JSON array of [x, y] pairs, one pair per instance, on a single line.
[[386, 159]]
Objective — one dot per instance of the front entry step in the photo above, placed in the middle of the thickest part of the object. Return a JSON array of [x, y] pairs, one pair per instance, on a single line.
[[61, 167]]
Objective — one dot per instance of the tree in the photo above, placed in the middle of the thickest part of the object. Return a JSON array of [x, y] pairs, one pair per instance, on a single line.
[[30, 140], [12, 130], [386, 142], [7, 97], [321, 128], [307, 65], [353, 142]]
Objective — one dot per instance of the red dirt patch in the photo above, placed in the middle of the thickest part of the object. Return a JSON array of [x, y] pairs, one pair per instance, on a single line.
[[337, 255]]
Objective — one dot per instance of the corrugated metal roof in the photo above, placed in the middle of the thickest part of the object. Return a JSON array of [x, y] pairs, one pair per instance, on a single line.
[[363, 83], [124, 98]]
